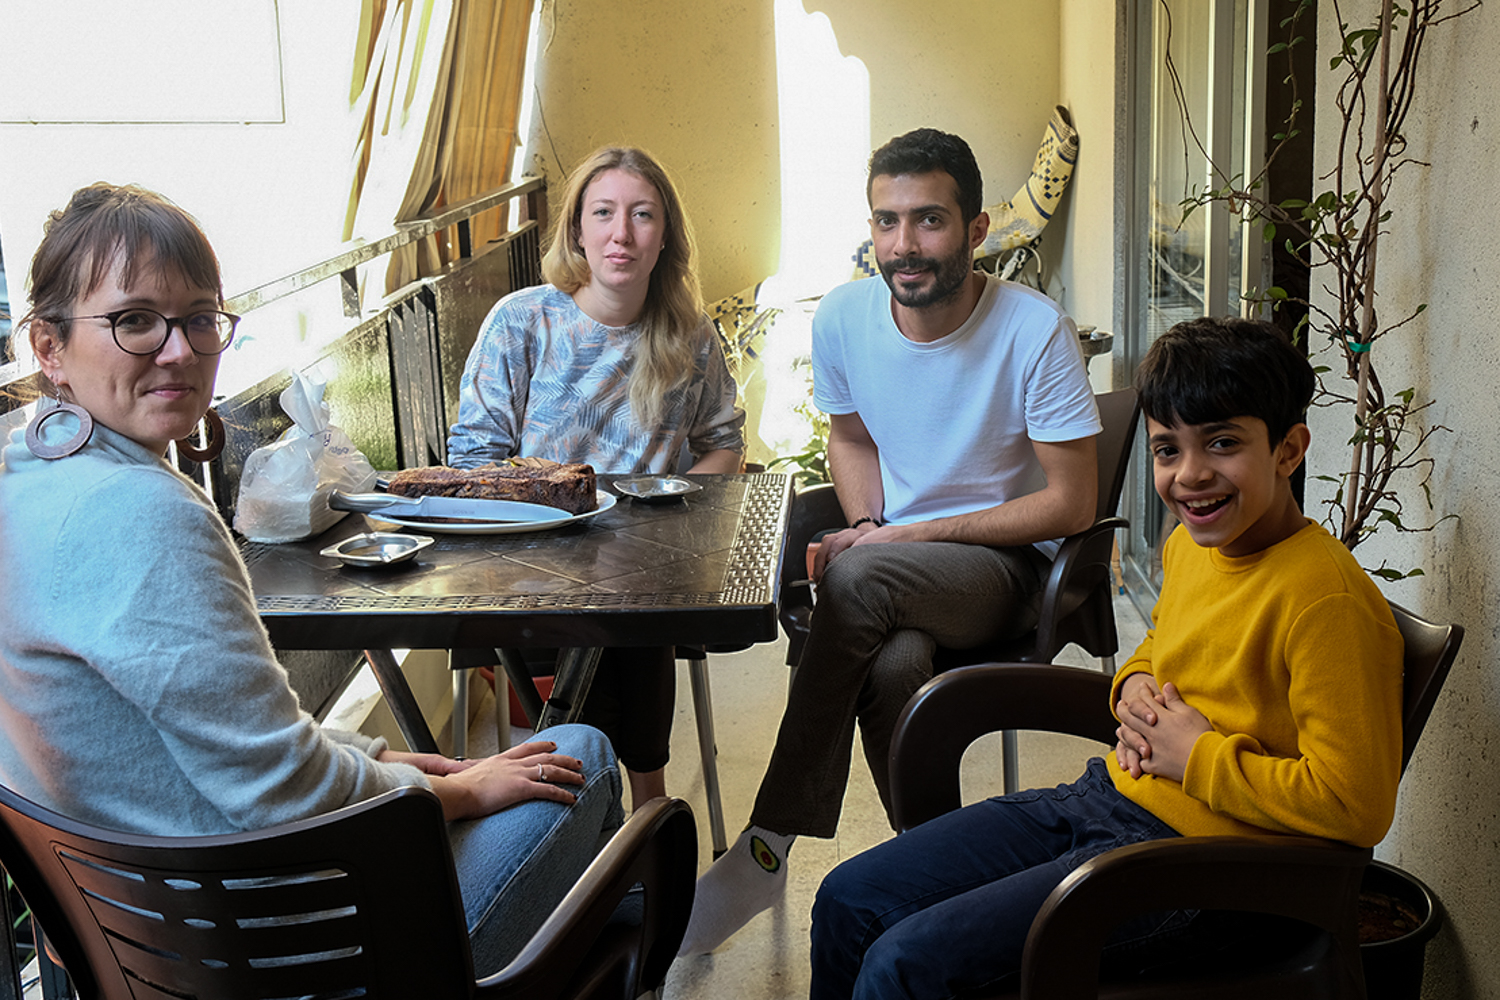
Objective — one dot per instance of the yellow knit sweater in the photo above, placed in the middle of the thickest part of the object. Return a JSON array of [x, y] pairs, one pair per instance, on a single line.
[[1294, 657]]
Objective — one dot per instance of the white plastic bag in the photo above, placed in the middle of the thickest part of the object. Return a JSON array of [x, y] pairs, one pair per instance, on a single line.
[[285, 486]]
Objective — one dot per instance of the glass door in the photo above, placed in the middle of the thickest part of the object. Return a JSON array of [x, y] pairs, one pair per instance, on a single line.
[[1191, 71]]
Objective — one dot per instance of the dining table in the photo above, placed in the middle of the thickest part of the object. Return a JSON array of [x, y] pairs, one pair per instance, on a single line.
[[700, 569]]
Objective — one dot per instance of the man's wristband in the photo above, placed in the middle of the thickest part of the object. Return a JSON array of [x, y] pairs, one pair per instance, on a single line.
[[868, 520]]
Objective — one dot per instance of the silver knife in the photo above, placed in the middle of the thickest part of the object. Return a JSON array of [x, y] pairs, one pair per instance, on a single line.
[[495, 511]]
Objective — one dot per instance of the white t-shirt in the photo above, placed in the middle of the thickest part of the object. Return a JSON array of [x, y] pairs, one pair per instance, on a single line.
[[954, 419]]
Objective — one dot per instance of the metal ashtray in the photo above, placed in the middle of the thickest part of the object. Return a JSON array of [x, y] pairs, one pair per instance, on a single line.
[[378, 548], [656, 489]]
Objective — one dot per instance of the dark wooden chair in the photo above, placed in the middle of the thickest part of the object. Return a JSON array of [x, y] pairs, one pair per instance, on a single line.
[[1077, 602], [1305, 879], [359, 902], [1077, 599]]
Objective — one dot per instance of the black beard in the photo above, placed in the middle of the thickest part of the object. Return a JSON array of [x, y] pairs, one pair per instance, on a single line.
[[949, 276]]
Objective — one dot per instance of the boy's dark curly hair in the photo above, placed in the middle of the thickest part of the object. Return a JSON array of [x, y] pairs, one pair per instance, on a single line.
[[1206, 370]]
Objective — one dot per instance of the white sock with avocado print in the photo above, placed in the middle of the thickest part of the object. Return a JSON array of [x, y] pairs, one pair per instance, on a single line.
[[750, 877]]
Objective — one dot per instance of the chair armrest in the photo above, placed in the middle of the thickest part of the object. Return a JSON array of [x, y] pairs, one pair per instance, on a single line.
[[1071, 581], [958, 706], [656, 848], [1312, 880]]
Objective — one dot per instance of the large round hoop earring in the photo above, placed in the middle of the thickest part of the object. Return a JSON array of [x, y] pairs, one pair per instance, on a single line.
[[213, 424], [74, 444]]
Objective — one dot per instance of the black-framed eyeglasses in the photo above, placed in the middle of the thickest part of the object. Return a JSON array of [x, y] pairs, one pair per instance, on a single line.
[[141, 331]]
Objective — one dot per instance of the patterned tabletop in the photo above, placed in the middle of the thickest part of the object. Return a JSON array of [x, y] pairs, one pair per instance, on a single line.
[[704, 569]]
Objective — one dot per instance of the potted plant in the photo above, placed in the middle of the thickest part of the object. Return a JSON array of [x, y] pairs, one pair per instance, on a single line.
[[1398, 915], [1335, 235]]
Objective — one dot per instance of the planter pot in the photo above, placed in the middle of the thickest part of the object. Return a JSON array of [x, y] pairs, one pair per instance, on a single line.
[[1393, 967]]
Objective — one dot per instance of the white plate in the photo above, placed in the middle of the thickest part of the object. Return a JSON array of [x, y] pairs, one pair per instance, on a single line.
[[606, 501]]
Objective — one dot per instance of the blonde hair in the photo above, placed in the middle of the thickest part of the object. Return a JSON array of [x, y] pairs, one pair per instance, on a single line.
[[673, 312]]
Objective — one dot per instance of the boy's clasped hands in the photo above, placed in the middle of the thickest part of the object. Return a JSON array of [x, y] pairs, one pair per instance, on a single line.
[[1157, 728]]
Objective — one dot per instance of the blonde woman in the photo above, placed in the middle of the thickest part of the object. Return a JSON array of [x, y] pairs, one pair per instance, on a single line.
[[612, 363]]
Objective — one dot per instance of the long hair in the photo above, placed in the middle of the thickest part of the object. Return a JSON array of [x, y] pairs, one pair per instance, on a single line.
[[103, 221], [673, 312]]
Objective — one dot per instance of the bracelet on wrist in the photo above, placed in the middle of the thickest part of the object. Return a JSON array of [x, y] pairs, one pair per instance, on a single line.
[[868, 520]]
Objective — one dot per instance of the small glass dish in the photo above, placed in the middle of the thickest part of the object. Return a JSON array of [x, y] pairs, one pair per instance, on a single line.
[[377, 548], [656, 489]]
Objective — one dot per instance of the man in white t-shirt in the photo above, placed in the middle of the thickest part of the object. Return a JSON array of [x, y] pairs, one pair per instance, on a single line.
[[961, 444]]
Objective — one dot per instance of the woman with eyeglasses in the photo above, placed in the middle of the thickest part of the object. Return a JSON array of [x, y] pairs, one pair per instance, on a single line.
[[138, 690]]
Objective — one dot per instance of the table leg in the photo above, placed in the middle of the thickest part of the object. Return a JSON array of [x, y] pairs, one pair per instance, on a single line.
[[521, 680], [502, 713], [402, 702], [460, 708], [575, 674], [708, 751]]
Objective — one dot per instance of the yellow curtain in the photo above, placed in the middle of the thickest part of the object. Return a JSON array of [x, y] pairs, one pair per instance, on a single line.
[[436, 91]]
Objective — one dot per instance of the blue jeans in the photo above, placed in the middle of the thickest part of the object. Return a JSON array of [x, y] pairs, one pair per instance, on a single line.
[[946, 907], [516, 865]]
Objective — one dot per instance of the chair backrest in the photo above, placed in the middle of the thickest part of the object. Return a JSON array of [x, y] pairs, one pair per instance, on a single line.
[[1429, 654], [358, 902], [1120, 413]]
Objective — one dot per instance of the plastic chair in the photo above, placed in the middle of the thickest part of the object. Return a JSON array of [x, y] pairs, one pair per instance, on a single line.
[[1302, 878], [359, 902]]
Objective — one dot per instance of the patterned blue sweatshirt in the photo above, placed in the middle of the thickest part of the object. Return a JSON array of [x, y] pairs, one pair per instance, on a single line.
[[545, 381]]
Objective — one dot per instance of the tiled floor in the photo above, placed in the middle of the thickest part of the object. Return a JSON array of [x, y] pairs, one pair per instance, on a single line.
[[768, 959]]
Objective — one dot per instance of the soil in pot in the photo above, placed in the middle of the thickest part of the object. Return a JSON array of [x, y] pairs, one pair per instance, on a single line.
[[1397, 917], [1385, 918]]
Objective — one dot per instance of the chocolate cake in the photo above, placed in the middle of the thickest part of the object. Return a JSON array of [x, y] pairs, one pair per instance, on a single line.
[[568, 487]]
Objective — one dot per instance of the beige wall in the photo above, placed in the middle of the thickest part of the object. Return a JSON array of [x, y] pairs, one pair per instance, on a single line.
[[983, 69], [696, 84], [1443, 249], [1085, 222]]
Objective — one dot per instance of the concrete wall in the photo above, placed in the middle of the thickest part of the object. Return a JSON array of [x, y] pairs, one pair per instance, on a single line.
[[1085, 223], [695, 83], [692, 82], [1443, 248]]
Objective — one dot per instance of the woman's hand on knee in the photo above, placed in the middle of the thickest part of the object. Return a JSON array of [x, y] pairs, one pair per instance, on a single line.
[[520, 774]]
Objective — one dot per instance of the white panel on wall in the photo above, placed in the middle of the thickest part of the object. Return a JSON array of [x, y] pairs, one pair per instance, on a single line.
[[167, 61]]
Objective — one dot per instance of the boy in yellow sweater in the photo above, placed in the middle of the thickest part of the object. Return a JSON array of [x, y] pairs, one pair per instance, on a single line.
[[1266, 697]]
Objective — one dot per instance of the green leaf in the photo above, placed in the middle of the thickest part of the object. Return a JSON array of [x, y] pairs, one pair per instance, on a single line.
[[1278, 47]]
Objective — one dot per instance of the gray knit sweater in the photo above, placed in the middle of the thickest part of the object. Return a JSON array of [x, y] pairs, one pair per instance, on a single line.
[[138, 689]]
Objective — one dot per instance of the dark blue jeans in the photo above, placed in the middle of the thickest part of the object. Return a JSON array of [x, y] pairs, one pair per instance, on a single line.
[[945, 908]]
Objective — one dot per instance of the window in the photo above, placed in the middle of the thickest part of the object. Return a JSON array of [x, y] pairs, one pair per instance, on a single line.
[[1197, 96]]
